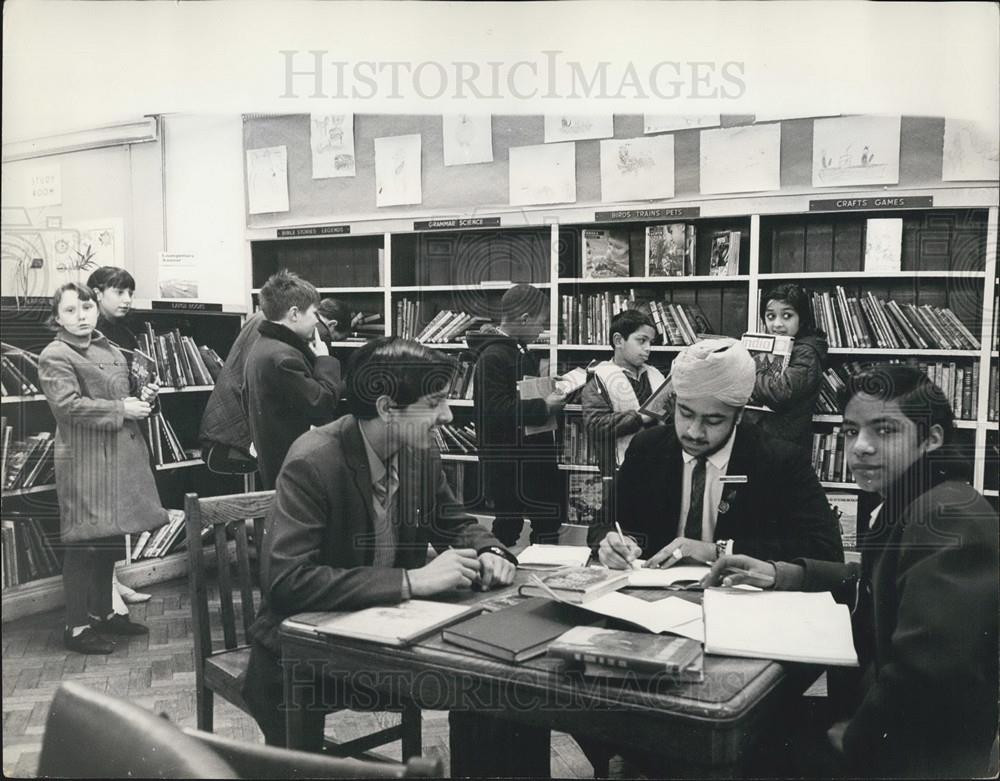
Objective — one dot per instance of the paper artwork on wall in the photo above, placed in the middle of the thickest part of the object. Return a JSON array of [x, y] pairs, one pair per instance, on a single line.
[[178, 275], [267, 180], [663, 123], [776, 116], [855, 150], [545, 173], [741, 159], [397, 170], [467, 138], [331, 137], [971, 152], [635, 169], [577, 127], [99, 243]]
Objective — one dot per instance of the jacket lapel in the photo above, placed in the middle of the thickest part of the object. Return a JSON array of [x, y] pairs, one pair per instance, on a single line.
[[410, 504], [357, 460], [672, 486], [729, 517]]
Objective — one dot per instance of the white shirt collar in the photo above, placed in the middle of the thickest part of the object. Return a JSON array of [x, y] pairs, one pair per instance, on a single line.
[[720, 458]]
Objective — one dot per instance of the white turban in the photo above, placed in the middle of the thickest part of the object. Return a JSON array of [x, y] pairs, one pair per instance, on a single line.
[[715, 368]]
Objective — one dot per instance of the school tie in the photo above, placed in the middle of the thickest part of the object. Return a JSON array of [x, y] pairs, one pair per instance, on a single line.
[[696, 507]]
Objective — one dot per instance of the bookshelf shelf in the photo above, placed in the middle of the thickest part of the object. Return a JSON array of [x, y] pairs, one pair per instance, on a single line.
[[337, 290], [179, 464], [460, 403], [652, 280], [22, 399], [840, 486], [36, 489], [659, 348], [992, 492], [578, 468], [573, 408], [444, 288], [459, 457], [898, 351], [188, 389], [820, 275], [964, 424]]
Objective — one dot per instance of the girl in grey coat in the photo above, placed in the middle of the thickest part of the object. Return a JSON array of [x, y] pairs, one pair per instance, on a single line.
[[103, 479]]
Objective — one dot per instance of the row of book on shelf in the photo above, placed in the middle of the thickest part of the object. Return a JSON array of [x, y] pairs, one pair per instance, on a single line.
[[586, 319], [960, 385], [27, 552], [457, 439], [26, 463], [175, 360], [670, 251], [866, 321], [159, 542], [445, 326], [828, 457], [164, 445], [18, 371]]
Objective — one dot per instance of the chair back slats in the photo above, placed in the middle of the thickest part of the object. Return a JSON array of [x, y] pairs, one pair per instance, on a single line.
[[224, 574], [244, 575], [226, 520]]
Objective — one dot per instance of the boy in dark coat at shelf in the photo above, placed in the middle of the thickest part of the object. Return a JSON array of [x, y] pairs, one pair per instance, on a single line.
[[792, 393], [290, 382], [520, 470], [923, 598]]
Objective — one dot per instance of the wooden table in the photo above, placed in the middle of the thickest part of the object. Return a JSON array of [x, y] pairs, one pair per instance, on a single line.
[[501, 714]]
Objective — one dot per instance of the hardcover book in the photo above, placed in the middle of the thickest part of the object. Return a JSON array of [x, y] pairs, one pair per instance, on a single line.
[[576, 584], [637, 652], [724, 260], [668, 251], [605, 254], [397, 625], [883, 244], [660, 404]]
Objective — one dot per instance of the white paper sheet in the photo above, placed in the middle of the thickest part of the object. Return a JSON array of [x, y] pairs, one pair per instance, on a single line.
[[576, 127], [554, 556], [267, 180], [855, 150], [397, 170], [544, 173], [331, 137], [671, 614], [741, 159], [467, 138], [663, 123], [971, 151], [634, 169], [661, 578]]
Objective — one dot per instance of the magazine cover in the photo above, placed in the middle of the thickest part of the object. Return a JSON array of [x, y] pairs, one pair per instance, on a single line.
[[666, 251], [605, 254]]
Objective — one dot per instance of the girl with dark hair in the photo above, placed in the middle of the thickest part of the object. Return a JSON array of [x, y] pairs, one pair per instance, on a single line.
[[104, 483], [791, 394]]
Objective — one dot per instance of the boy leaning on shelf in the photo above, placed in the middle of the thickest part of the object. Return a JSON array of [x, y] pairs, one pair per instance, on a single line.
[[923, 598], [617, 389], [356, 504]]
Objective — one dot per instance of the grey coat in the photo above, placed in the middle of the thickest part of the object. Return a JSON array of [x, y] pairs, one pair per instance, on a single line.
[[103, 479]]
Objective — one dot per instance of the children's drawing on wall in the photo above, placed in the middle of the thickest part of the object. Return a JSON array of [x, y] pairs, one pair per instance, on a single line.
[[971, 151], [635, 169], [467, 138], [741, 159], [576, 127], [267, 180], [545, 173], [397, 170], [855, 151], [331, 137], [664, 123]]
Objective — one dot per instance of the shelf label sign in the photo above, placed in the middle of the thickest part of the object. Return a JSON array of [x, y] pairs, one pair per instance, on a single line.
[[679, 212], [316, 230], [186, 306], [878, 202], [451, 223]]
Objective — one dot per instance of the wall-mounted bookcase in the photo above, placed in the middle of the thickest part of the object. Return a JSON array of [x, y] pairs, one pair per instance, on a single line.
[[39, 585]]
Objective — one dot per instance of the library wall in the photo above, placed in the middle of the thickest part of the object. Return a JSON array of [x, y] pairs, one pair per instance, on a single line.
[[483, 187]]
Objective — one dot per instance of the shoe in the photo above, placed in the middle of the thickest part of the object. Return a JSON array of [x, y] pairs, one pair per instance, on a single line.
[[87, 642], [132, 597], [119, 625]]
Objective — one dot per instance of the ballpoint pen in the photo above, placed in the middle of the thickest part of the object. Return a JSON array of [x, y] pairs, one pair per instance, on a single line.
[[621, 536]]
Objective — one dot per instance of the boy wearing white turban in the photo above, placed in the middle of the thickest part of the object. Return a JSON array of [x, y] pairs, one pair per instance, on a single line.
[[710, 484]]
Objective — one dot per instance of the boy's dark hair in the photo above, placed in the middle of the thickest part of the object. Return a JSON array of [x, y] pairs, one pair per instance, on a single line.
[[111, 276], [335, 309], [798, 299], [522, 299], [83, 292], [627, 323], [402, 369], [284, 290]]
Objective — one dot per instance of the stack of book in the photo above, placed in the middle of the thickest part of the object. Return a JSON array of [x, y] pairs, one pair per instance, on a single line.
[[179, 361], [26, 463], [828, 457], [461, 384], [670, 250], [960, 384], [575, 585], [27, 553], [366, 325], [159, 542], [18, 371], [457, 439], [612, 653], [865, 321], [586, 319], [577, 447], [164, 445]]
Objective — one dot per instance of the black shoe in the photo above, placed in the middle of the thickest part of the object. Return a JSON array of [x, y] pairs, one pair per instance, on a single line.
[[119, 624], [87, 642]]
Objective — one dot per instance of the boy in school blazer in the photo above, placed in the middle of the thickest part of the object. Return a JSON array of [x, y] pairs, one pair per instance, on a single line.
[[357, 502]]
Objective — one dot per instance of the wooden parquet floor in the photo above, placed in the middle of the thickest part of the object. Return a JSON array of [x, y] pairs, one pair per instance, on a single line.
[[157, 672]]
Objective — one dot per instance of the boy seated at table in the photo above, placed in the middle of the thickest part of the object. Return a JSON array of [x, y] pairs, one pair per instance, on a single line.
[[923, 599], [357, 501]]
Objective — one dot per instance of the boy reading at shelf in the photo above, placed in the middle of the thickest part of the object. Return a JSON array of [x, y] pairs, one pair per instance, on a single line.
[[520, 469], [356, 504], [291, 381], [923, 598]]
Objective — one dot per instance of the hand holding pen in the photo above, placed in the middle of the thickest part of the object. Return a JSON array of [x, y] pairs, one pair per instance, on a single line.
[[618, 551]]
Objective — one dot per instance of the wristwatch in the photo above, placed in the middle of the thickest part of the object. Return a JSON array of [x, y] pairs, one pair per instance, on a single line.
[[723, 548]]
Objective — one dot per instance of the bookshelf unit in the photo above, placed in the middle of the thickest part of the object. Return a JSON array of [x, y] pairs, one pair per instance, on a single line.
[[23, 327], [949, 250]]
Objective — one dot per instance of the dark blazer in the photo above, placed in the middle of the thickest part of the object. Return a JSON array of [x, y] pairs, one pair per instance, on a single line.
[[520, 472], [781, 511], [925, 624], [286, 390], [318, 540]]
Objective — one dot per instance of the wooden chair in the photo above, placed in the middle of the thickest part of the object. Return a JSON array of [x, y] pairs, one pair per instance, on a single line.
[[221, 670], [90, 734]]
